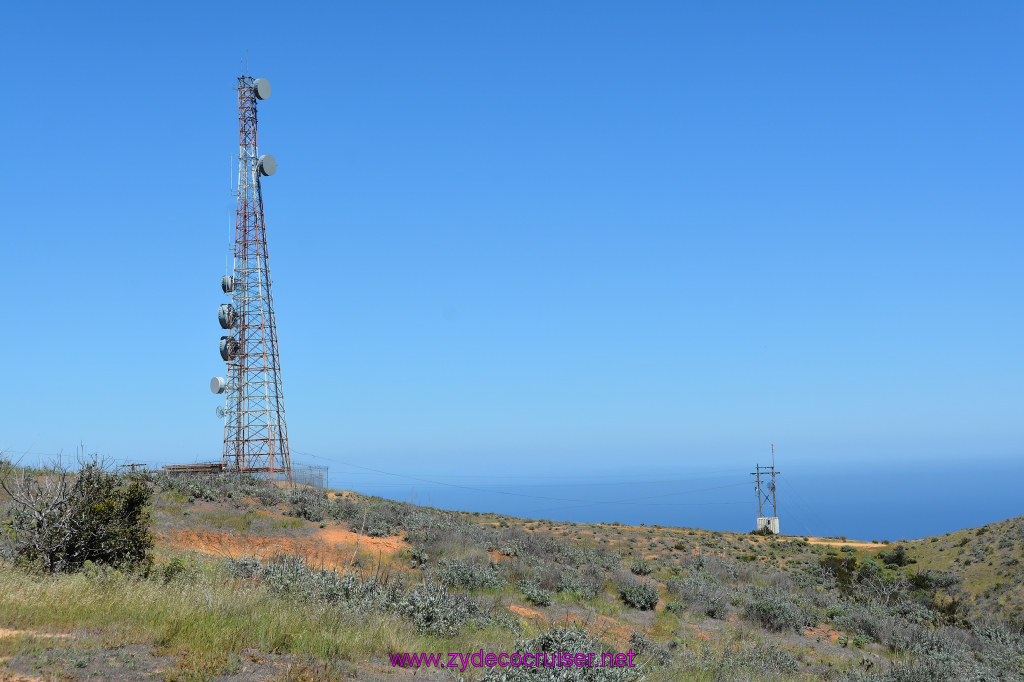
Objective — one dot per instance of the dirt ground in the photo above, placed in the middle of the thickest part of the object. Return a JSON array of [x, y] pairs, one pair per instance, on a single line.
[[331, 547], [856, 544]]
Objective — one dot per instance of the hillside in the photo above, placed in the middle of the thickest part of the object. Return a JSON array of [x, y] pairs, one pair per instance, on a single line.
[[248, 582], [990, 559]]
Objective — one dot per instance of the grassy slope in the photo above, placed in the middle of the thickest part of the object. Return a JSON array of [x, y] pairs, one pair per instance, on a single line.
[[206, 622], [990, 559]]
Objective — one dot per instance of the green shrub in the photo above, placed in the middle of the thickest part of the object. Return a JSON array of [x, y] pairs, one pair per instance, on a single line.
[[172, 569], [637, 594], [639, 642], [896, 557], [842, 568], [569, 642], [934, 580], [762, 660], [573, 581], [701, 591], [773, 609], [766, 657], [60, 520], [290, 575], [944, 655], [343, 509], [381, 519], [434, 609], [835, 611], [309, 503], [534, 593], [464, 573], [219, 487], [419, 557]]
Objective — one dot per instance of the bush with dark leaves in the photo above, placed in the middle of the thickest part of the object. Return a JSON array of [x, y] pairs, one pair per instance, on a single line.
[[897, 556], [934, 580], [60, 520]]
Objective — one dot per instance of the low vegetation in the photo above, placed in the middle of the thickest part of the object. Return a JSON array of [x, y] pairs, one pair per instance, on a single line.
[[59, 521], [220, 576]]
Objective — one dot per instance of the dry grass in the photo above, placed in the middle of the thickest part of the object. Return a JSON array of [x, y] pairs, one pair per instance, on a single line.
[[212, 618]]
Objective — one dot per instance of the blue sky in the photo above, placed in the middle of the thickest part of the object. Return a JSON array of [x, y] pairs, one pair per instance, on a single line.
[[525, 237]]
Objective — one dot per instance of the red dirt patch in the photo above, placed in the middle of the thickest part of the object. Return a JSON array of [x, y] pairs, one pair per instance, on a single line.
[[330, 547], [526, 612], [856, 544], [228, 545], [603, 627], [607, 628], [340, 536], [822, 632]]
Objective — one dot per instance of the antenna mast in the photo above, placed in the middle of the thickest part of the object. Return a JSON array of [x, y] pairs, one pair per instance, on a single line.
[[255, 433]]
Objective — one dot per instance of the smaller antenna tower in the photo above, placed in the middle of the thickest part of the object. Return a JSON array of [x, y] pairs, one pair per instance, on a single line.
[[764, 478]]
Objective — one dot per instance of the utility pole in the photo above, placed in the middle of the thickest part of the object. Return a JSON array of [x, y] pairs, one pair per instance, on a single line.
[[132, 466], [764, 478]]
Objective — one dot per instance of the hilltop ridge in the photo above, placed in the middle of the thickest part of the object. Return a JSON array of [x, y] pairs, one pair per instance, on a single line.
[[249, 582]]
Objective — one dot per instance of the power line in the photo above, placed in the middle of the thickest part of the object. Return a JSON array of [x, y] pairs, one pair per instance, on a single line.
[[799, 501]]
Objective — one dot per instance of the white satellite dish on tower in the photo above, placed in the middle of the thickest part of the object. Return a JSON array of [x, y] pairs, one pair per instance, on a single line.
[[218, 384], [267, 164], [261, 87]]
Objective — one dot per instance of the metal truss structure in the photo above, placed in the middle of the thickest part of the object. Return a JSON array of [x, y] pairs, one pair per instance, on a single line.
[[255, 433]]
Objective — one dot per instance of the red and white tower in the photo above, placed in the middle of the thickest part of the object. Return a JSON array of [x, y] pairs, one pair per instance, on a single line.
[[255, 433]]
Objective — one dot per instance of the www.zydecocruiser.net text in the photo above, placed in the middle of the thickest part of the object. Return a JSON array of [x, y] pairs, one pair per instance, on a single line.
[[516, 659]]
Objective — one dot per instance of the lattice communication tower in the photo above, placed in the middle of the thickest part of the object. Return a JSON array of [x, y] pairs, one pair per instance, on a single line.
[[255, 433]]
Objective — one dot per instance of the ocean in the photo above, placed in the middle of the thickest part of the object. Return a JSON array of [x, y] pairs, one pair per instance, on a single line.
[[865, 503]]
